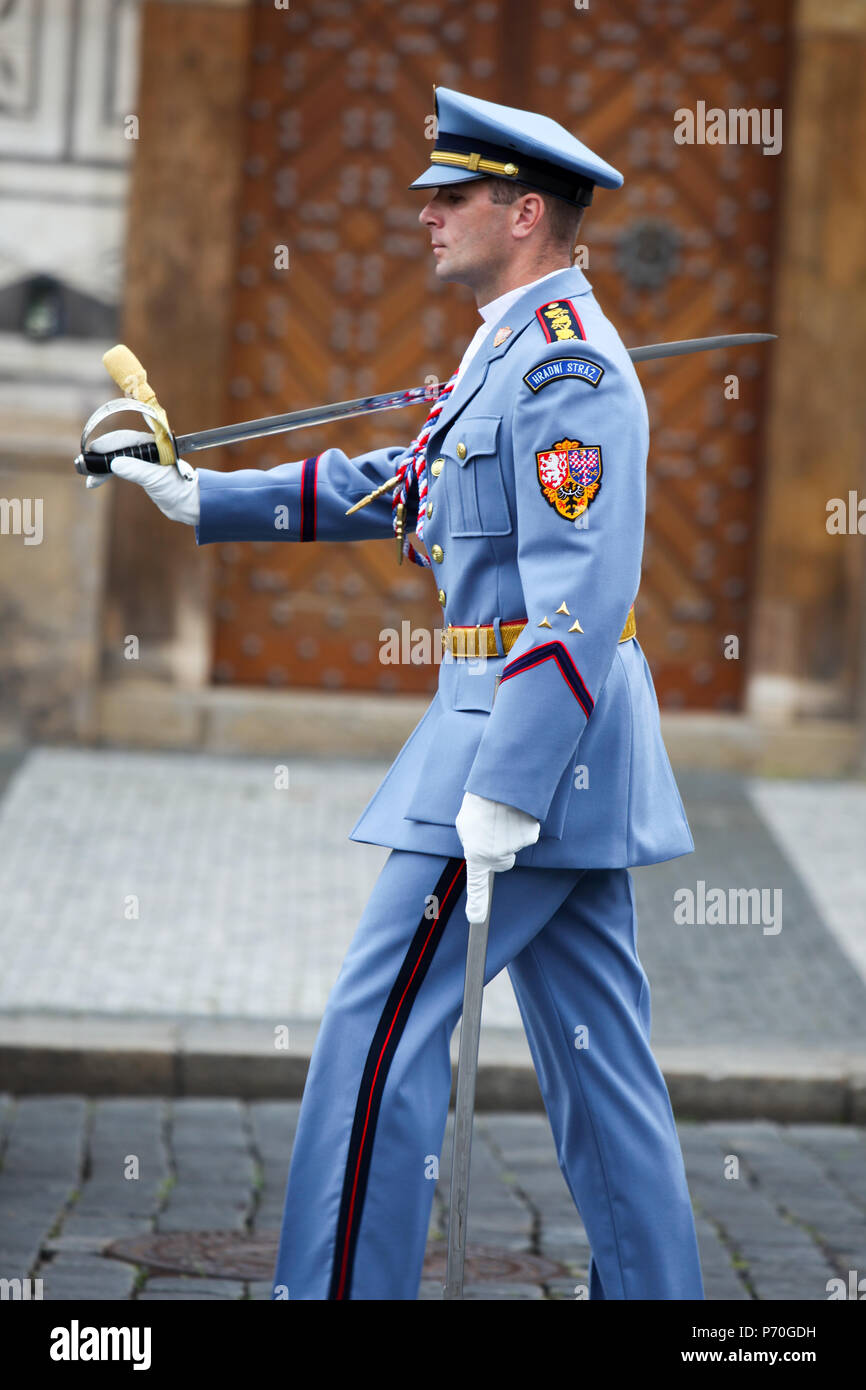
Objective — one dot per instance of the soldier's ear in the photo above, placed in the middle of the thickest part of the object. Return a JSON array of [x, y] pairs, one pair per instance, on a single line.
[[531, 211]]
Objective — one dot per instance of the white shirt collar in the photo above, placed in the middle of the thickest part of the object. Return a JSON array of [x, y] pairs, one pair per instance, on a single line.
[[497, 307]]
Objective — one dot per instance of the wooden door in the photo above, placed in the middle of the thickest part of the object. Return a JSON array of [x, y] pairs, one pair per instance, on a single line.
[[339, 95]]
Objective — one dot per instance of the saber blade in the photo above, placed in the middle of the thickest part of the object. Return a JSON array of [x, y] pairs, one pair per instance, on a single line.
[[464, 1101], [298, 419], [687, 345], [397, 400]]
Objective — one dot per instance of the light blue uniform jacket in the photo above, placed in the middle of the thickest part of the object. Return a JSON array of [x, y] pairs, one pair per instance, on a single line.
[[566, 725]]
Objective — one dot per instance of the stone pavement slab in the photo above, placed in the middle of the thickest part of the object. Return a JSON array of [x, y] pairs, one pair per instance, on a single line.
[[738, 983], [196, 886], [820, 826], [166, 915]]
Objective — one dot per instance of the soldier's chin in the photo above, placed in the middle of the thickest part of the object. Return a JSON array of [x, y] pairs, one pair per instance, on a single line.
[[447, 269]]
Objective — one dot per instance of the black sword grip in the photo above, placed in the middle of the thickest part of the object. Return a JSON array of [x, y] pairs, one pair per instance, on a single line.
[[97, 464]]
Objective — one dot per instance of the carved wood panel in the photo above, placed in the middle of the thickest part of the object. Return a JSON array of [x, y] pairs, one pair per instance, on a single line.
[[338, 97]]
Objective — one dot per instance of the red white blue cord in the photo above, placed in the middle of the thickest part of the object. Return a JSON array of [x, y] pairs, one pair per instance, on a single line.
[[413, 464]]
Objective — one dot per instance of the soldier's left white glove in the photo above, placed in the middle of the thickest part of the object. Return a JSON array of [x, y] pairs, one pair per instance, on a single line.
[[491, 833]]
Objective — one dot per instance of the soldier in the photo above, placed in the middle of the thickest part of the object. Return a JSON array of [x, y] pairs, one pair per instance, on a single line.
[[540, 757]]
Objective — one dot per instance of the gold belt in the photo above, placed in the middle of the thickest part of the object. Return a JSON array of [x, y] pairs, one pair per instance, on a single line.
[[480, 640]]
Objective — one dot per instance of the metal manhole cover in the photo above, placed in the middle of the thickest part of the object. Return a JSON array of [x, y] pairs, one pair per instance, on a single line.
[[488, 1264], [208, 1254], [234, 1255]]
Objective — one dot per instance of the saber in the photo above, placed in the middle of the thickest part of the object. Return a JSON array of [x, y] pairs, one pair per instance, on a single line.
[[91, 462], [686, 345], [464, 1103]]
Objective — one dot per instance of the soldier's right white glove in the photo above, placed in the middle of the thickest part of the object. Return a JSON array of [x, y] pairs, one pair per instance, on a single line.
[[176, 498], [491, 834]]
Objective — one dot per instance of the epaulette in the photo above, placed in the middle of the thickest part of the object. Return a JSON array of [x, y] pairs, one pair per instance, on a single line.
[[559, 321]]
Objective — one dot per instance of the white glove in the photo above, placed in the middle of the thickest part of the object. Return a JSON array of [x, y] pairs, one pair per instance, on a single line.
[[176, 497], [491, 833]]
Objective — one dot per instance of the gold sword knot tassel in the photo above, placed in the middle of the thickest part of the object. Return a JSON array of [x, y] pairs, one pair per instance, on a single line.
[[127, 372]]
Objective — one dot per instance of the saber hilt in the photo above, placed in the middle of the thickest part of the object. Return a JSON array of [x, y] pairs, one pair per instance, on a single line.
[[163, 449], [138, 397], [94, 464]]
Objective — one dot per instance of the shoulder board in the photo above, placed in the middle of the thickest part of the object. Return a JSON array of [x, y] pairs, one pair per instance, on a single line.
[[559, 320]]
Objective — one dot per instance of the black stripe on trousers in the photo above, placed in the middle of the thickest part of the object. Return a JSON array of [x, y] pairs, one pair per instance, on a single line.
[[388, 1033]]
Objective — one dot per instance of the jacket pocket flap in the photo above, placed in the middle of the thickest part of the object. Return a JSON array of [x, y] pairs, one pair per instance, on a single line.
[[478, 435]]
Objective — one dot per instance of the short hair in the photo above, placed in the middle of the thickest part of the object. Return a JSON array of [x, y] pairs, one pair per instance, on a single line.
[[563, 219]]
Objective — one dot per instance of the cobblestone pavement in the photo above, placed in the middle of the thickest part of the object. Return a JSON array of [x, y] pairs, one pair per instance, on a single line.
[[191, 885], [793, 1218]]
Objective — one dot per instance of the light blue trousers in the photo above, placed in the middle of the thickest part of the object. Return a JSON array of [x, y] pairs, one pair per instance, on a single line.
[[359, 1194]]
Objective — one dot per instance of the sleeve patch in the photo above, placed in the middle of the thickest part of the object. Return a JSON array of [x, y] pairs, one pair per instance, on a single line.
[[569, 474], [559, 321], [556, 367]]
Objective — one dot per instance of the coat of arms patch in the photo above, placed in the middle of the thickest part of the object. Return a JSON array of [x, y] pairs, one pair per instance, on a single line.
[[570, 475]]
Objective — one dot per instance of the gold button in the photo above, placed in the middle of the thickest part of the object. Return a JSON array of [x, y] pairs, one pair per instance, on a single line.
[[441, 597], [436, 467], [429, 510], [510, 169], [438, 553], [461, 450]]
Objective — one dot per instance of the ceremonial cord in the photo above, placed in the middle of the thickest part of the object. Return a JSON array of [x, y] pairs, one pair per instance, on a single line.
[[413, 466]]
